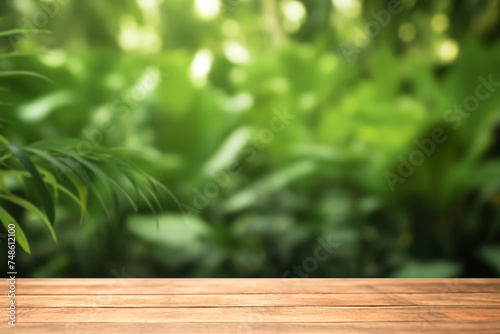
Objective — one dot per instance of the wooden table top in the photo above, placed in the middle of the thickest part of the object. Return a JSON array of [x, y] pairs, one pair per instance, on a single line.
[[91, 306]]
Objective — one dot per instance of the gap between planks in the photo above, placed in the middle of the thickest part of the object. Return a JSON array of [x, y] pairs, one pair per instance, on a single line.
[[261, 314]]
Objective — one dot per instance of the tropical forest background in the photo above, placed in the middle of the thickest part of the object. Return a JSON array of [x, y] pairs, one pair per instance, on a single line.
[[251, 138]]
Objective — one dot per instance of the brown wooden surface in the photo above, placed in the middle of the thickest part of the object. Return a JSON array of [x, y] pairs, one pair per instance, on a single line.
[[74, 306]]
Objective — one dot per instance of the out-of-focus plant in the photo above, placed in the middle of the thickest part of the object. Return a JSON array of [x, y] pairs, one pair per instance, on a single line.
[[322, 175], [44, 169]]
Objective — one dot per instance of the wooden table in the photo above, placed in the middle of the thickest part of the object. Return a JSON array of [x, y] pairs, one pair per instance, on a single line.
[[94, 306]]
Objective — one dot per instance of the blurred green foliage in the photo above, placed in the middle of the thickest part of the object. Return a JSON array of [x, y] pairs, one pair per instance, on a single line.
[[267, 134]]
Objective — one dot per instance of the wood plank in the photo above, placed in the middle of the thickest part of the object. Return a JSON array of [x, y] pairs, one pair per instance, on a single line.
[[254, 328], [283, 300], [255, 306], [248, 286], [261, 314], [458, 299]]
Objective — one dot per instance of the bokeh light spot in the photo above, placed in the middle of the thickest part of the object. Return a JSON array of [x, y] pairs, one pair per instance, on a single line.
[[207, 8], [440, 23], [236, 52], [448, 50], [350, 8], [407, 32]]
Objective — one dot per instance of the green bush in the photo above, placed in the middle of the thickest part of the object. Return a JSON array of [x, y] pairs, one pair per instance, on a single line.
[[270, 141]]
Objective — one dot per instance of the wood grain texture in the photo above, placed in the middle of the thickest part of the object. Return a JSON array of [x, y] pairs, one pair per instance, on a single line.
[[259, 328], [282, 300], [122, 286], [72, 306]]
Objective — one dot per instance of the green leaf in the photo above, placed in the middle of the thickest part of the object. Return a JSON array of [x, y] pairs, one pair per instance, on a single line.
[[228, 151], [25, 73], [116, 185], [50, 178], [173, 230], [58, 162], [33, 209], [267, 185], [40, 185], [82, 193], [92, 162], [60, 145], [151, 192], [151, 207], [40, 108], [104, 178], [7, 219], [128, 167], [23, 31], [152, 182], [3, 139], [132, 180], [83, 175]]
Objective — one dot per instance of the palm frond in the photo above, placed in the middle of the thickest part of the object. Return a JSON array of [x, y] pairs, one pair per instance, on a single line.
[[48, 164]]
